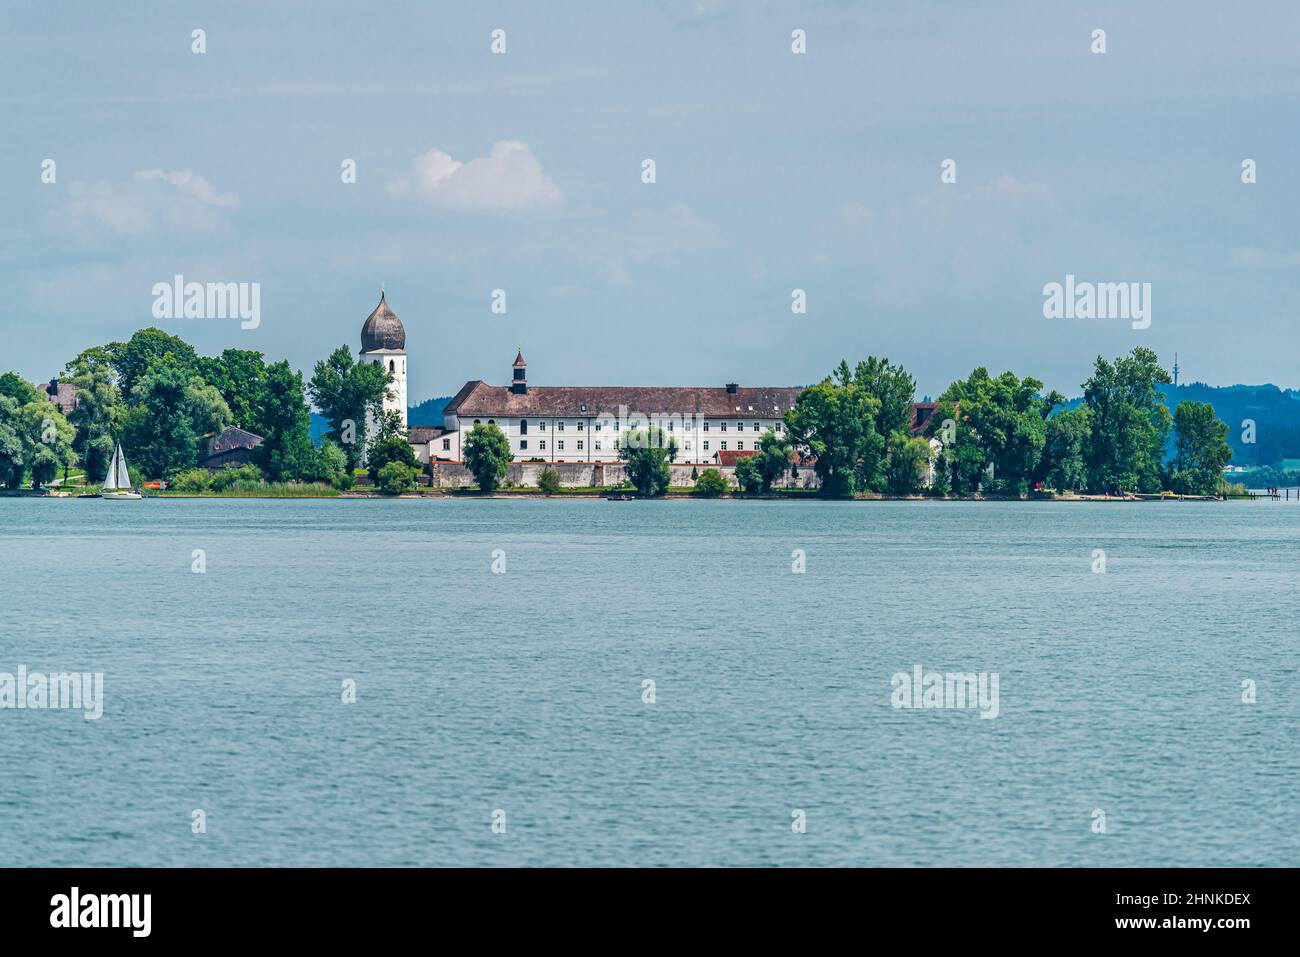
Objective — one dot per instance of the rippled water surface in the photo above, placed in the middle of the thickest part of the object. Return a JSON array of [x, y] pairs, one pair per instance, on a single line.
[[523, 691]]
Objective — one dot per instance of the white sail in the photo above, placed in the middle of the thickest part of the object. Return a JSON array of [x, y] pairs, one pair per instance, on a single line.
[[110, 480], [123, 477]]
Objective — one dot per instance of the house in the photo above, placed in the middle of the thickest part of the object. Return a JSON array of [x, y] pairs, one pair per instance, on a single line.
[[62, 394], [232, 447]]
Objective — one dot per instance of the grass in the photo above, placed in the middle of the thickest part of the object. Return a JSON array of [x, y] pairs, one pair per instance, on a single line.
[[259, 490]]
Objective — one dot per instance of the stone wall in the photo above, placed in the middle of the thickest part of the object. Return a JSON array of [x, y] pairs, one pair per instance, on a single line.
[[587, 475]]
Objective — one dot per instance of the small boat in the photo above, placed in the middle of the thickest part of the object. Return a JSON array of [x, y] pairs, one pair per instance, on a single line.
[[117, 483], [618, 498]]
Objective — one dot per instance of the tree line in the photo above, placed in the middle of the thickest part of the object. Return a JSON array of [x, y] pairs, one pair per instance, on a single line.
[[164, 402], [1000, 435]]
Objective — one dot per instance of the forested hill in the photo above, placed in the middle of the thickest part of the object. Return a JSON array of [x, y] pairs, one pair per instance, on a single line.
[[1276, 413], [428, 412]]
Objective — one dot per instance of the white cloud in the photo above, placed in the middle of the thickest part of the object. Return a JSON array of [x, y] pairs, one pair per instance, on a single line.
[[509, 178], [152, 201]]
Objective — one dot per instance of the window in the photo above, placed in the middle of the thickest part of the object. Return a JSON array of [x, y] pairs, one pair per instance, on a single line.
[[723, 446], [541, 444], [523, 445], [492, 421], [706, 426], [755, 426], [559, 446], [778, 425], [740, 426], [598, 424], [523, 426], [446, 445], [542, 426], [598, 445], [722, 426], [391, 366], [740, 446], [559, 426], [580, 426], [579, 445], [670, 426], [688, 445], [477, 422], [706, 446]]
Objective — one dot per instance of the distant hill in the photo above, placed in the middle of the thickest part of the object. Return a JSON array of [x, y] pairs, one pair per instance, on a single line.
[[1276, 413], [428, 412]]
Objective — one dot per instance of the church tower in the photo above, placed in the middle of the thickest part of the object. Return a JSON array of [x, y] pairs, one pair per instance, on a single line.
[[383, 342]]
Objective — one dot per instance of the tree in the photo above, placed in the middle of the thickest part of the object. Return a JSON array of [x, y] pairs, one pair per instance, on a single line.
[[34, 435], [549, 482], [836, 423], [239, 375], [170, 409], [909, 458], [391, 449], [97, 418], [331, 466], [1130, 423], [280, 410], [395, 478], [132, 359], [711, 484], [890, 384], [1201, 449], [756, 473], [487, 455], [1062, 466], [647, 452], [1001, 422], [19, 389], [345, 391]]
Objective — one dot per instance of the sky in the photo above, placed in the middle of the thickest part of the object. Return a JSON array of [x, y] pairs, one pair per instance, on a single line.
[[775, 171]]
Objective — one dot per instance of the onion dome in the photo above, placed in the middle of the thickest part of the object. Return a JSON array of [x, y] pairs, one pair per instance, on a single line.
[[383, 330]]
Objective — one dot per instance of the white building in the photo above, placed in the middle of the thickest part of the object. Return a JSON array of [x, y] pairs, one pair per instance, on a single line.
[[589, 423]]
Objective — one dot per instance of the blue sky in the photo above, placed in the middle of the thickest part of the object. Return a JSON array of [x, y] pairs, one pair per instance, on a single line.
[[775, 171]]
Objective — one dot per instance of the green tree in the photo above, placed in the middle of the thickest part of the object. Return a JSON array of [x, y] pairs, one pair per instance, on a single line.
[[487, 455], [891, 385], [395, 478], [835, 421], [284, 422], [1001, 422], [548, 482], [711, 484], [345, 391], [756, 473], [909, 458], [390, 449], [171, 408], [648, 452], [239, 375], [93, 360], [1062, 466], [1130, 423], [20, 390], [97, 418], [1201, 449], [133, 358], [331, 466]]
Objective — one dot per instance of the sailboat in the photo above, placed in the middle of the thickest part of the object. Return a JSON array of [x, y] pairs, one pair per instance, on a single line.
[[117, 483]]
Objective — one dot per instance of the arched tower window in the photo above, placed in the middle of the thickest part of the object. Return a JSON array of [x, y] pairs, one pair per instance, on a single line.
[[392, 367], [523, 426]]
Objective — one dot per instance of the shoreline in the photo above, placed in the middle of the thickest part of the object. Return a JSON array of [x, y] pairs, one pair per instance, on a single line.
[[800, 496]]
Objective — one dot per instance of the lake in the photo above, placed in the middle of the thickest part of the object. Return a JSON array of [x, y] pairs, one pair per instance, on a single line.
[[524, 690]]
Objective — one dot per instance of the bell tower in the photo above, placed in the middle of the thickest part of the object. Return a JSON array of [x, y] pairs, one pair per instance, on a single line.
[[383, 342]]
